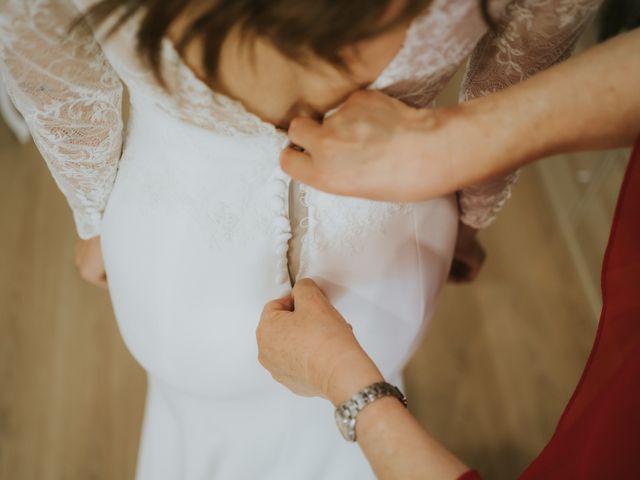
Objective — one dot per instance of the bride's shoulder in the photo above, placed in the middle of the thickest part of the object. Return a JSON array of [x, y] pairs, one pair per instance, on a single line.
[[48, 15], [459, 17], [36, 7]]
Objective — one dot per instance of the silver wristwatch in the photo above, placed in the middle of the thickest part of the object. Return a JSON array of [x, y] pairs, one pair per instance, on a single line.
[[347, 412]]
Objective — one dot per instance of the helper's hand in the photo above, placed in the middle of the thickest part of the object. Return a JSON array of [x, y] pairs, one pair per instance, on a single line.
[[307, 346], [89, 261], [376, 147]]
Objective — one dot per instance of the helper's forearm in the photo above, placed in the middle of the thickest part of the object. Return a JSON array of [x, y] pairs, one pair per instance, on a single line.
[[397, 446], [591, 101]]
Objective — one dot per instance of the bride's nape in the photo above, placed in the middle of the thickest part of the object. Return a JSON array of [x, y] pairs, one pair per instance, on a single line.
[[289, 59], [276, 87]]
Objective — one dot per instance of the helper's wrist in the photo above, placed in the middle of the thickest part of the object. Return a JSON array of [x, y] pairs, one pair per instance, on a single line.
[[489, 136], [354, 371]]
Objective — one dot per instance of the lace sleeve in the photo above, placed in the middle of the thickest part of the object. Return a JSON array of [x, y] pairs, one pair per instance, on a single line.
[[532, 35], [70, 98]]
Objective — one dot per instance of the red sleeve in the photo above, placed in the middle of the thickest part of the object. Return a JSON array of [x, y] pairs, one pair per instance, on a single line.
[[470, 475], [597, 435]]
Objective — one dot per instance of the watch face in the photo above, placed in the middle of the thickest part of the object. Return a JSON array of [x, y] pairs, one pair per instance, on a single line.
[[347, 426]]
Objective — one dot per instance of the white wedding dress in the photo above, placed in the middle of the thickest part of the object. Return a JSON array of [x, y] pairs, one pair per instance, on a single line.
[[194, 217]]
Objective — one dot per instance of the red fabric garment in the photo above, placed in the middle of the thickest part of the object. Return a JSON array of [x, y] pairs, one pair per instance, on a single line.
[[470, 475], [598, 435]]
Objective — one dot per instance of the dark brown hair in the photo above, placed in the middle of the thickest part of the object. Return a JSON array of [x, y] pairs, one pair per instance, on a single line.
[[295, 27], [618, 16]]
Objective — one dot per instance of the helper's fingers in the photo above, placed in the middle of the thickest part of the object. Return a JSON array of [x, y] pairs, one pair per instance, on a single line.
[[304, 132], [298, 165], [284, 304]]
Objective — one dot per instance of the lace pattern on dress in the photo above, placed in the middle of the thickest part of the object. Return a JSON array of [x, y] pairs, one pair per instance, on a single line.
[[70, 98], [186, 97], [435, 45]]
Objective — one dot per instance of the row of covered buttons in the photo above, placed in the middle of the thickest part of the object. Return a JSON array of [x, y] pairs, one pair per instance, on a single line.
[[279, 191]]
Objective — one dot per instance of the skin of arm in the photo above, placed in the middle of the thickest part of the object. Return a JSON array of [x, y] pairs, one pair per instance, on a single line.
[[88, 259], [308, 346], [376, 147]]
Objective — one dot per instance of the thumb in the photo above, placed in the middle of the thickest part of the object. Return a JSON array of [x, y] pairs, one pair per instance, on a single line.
[[280, 305], [306, 291]]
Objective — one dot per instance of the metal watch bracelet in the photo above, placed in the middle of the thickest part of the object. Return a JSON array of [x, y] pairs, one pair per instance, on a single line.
[[347, 412]]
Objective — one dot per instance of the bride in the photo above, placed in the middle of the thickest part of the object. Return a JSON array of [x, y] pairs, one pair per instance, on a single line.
[[198, 225]]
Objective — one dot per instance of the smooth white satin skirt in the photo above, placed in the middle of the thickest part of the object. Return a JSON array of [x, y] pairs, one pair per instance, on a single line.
[[195, 239]]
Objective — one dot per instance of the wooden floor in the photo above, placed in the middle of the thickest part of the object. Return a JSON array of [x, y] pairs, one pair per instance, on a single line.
[[500, 360]]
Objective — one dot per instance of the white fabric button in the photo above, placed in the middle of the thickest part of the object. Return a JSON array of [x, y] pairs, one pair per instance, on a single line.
[[276, 204], [277, 186], [281, 224], [283, 237], [282, 278]]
